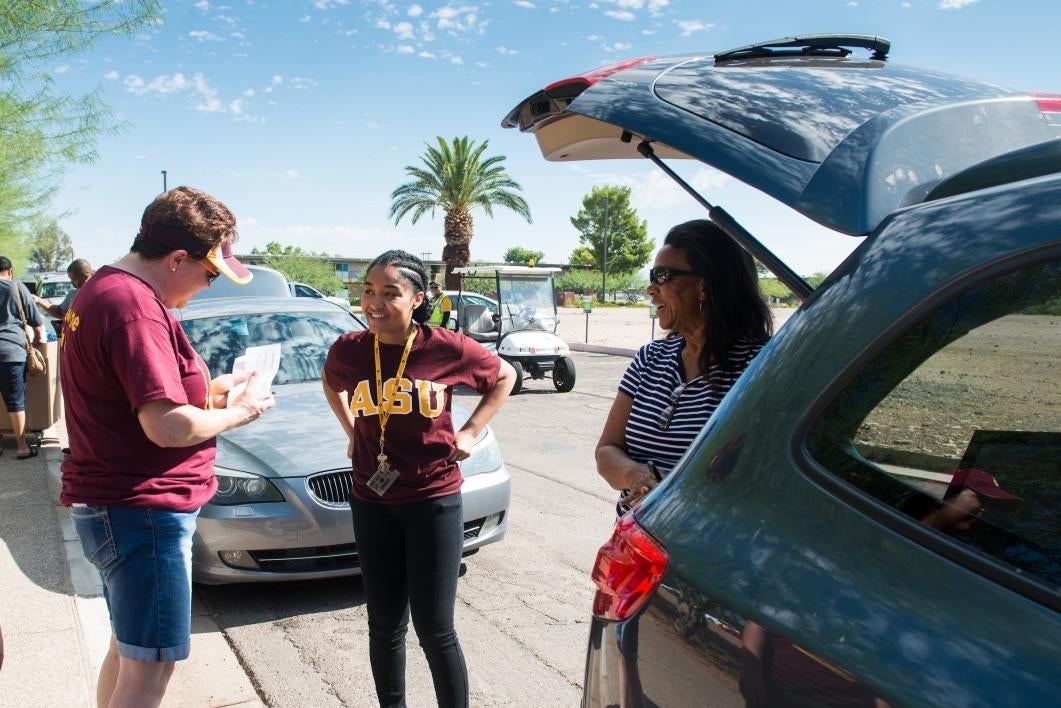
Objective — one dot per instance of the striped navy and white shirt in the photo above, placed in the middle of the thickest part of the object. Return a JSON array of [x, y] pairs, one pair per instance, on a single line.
[[652, 378]]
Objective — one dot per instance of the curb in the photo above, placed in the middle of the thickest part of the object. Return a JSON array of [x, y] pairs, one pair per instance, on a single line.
[[601, 349]]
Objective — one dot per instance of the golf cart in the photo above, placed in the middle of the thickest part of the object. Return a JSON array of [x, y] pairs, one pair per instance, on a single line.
[[522, 329]]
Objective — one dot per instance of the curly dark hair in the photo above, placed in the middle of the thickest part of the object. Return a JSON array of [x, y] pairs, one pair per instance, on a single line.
[[190, 210], [412, 270], [733, 304]]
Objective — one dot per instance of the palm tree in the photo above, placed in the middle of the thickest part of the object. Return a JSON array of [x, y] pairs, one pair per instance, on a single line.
[[456, 178]]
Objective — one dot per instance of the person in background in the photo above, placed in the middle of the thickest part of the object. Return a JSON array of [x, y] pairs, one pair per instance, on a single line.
[[15, 306], [441, 304], [706, 292], [79, 271], [391, 387], [142, 414]]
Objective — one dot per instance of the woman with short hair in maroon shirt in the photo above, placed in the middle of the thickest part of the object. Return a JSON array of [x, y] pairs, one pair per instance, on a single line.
[[142, 415]]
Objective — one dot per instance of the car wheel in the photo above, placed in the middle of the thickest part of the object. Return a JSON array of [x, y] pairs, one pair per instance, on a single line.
[[519, 376], [564, 374]]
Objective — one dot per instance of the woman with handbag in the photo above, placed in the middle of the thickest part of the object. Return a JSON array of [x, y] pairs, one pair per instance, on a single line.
[[15, 316]]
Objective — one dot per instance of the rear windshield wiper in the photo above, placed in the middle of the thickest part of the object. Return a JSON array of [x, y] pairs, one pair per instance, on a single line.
[[810, 45]]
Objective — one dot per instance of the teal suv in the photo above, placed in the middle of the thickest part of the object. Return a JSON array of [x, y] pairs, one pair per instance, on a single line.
[[873, 515]]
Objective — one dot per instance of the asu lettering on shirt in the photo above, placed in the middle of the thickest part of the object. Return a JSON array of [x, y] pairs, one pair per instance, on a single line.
[[72, 321], [430, 397]]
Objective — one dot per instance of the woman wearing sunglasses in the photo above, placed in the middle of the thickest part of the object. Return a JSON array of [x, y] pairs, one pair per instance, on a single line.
[[706, 293], [142, 415]]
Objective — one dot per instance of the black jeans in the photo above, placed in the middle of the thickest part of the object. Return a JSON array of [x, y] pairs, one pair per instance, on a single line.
[[410, 559]]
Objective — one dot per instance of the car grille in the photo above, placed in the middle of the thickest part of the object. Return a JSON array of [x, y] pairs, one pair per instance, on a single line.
[[331, 488], [312, 558]]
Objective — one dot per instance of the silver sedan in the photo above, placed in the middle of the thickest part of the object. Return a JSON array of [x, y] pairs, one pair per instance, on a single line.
[[281, 511]]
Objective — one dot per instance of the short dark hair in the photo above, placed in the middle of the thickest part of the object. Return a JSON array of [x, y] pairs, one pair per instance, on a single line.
[[79, 265], [733, 304], [5, 264], [185, 209], [412, 270]]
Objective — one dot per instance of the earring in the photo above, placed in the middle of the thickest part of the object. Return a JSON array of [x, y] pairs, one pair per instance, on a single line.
[[700, 304]]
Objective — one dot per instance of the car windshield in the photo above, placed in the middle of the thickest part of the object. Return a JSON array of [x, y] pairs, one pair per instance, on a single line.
[[528, 304], [56, 289], [304, 338]]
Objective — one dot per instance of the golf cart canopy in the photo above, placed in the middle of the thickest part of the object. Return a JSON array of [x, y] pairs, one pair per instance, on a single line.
[[843, 139], [505, 270]]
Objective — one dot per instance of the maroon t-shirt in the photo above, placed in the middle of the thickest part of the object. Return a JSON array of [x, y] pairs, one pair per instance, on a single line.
[[420, 427], [121, 349]]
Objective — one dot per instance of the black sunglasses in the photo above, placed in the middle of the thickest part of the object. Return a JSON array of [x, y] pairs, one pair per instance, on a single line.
[[667, 414], [212, 273], [661, 274]]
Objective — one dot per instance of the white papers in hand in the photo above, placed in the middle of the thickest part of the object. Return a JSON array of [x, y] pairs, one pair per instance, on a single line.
[[266, 361]]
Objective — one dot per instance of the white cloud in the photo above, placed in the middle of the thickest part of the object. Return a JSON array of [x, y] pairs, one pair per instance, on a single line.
[[954, 4], [524, 3], [690, 26], [456, 60], [461, 18], [111, 75], [656, 6], [203, 5], [426, 55], [506, 50], [594, 38], [621, 15], [414, 10], [204, 36], [383, 24], [249, 93], [329, 4], [236, 107], [61, 69], [404, 30], [617, 47], [405, 49], [277, 80], [852, 3], [655, 190]]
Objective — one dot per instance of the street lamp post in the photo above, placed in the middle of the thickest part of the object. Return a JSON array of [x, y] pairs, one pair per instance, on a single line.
[[164, 189], [604, 256]]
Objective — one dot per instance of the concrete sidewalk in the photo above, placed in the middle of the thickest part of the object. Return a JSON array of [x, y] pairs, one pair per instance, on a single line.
[[52, 612]]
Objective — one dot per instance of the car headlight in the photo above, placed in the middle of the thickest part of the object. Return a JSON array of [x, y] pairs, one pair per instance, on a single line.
[[234, 487], [483, 459]]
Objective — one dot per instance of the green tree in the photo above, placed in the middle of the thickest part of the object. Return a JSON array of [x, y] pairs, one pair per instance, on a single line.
[[52, 248], [42, 130], [457, 178], [607, 209], [300, 266], [518, 254]]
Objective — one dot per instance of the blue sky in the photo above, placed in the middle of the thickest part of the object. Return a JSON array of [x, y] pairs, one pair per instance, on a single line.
[[302, 114]]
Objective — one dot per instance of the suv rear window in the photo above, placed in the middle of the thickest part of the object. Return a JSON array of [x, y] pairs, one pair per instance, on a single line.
[[972, 386]]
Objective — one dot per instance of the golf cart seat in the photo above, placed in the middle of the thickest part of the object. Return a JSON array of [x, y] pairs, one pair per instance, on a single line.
[[476, 322]]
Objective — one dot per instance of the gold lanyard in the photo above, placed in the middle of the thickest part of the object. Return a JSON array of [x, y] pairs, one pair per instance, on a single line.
[[386, 405]]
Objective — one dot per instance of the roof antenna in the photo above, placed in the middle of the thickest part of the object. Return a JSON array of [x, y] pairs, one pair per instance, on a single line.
[[727, 223]]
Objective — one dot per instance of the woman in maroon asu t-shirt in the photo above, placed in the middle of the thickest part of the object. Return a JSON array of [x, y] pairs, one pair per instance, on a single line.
[[391, 388]]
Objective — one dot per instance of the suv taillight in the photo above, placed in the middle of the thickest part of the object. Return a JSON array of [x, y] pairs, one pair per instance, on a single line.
[[628, 570]]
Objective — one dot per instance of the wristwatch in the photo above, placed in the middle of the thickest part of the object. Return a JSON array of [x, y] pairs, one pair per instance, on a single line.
[[655, 472]]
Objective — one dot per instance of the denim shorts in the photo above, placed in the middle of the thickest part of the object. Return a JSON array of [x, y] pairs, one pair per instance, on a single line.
[[145, 559], [13, 385]]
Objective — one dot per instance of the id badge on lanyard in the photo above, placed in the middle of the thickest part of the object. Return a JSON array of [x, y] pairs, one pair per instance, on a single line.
[[385, 475]]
